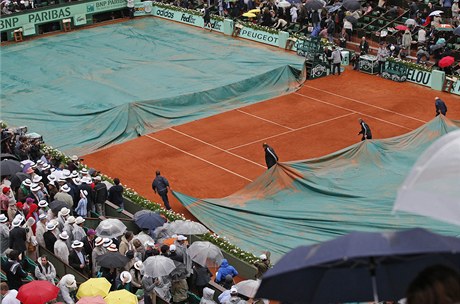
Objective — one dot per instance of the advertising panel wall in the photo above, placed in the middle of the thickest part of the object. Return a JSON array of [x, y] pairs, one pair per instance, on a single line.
[[182, 17]]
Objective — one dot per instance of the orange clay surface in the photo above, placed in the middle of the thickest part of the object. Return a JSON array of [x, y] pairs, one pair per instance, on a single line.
[[218, 155]]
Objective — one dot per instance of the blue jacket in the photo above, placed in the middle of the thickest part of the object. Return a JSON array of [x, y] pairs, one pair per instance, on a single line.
[[225, 270]]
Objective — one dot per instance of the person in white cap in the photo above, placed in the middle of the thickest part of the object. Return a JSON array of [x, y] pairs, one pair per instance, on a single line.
[[97, 251], [77, 258], [69, 228], [24, 190], [4, 234], [124, 281], [51, 234], [101, 194], [262, 266], [78, 231], [67, 285], [18, 235], [60, 247], [41, 229], [31, 240], [234, 298], [64, 196], [136, 273], [181, 250], [82, 207], [45, 270], [62, 217], [208, 295]]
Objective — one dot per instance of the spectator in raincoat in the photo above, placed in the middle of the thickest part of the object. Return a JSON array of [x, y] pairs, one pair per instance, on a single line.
[[224, 270]]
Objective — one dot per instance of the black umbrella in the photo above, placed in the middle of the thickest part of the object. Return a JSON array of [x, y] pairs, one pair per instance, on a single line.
[[8, 156], [351, 19], [457, 31], [313, 5], [112, 260], [351, 5], [56, 206], [147, 219], [18, 178], [358, 267], [9, 167]]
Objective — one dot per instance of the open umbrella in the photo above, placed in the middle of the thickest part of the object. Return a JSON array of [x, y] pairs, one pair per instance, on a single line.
[[358, 267], [351, 5], [249, 15], [158, 266], [9, 167], [147, 219], [255, 11], [457, 31], [8, 156], [18, 178], [351, 19], [410, 22], [446, 61], [334, 8], [92, 300], [144, 238], [284, 4], [112, 260], [436, 13], [205, 253], [94, 287], [401, 27], [56, 206], [248, 288], [431, 188], [313, 5], [187, 227], [121, 297], [28, 294], [110, 228]]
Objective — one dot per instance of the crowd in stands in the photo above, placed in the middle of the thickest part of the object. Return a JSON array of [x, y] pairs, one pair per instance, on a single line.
[[30, 217]]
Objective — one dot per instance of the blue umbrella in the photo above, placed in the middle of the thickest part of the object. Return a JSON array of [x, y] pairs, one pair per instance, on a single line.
[[358, 267], [146, 219]]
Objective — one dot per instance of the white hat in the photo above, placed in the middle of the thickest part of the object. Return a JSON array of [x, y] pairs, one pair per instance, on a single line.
[[42, 216], [42, 204], [46, 166], [98, 241], [71, 219], [84, 193], [74, 157], [35, 187], [77, 244], [51, 177], [76, 181], [149, 244], [3, 218], [65, 173], [51, 225], [126, 277], [27, 182], [62, 179], [233, 290], [37, 179], [65, 211], [17, 222], [172, 248], [263, 257], [39, 162], [65, 188], [112, 248], [97, 178], [86, 180], [79, 220], [64, 235], [138, 265], [74, 174], [107, 242], [180, 237], [84, 171], [70, 281]]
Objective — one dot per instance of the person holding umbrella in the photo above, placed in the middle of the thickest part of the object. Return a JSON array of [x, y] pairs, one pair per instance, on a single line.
[[440, 106]]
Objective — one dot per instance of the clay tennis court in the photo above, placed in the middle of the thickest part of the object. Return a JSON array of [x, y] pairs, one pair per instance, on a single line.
[[218, 155]]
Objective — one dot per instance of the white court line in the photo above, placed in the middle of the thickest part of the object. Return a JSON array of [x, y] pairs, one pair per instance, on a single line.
[[362, 114], [364, 103], [264, 119], [218, 148], [197, 157], [287, 132]]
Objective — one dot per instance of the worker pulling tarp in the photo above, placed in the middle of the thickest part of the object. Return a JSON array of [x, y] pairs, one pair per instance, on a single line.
[[310, 201]]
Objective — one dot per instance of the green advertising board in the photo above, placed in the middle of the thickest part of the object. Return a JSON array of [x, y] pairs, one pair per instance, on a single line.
[[259, 36]]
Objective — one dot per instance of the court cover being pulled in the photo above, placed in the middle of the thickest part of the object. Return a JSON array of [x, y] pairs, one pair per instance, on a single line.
[[91, 88]]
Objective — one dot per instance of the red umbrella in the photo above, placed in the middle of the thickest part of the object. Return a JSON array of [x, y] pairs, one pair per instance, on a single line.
[[446, 61], [28, 294], [401, 27]]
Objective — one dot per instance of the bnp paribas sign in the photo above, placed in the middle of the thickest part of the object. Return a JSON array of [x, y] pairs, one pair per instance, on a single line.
[[105, 5]]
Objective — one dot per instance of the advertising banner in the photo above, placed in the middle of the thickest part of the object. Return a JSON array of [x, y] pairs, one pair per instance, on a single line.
[[183, 17], [259, 36]]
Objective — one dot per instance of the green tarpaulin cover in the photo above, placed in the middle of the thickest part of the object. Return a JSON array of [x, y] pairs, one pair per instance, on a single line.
[[87, 89], [309, 201]]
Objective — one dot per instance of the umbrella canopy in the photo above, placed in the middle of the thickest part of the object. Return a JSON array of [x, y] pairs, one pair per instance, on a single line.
[[373, 265], [351, 5], [432, 187], [28, 294], [284, 4], [205, 253], [147, 219], [249, 15], [436, 13], [18, 178], [457, 31], [248, 288], [445, 28], [158, 266], [121, 297], [334, 8], [187, 227], [92, 300], [313, 5], [56, 206], [144, 238], [410, 22], [401, 27], [351, 19], [446, 61], [112, 260], [255, 11], [110, 228], [8, 156], [9, 167], [94, 287]]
